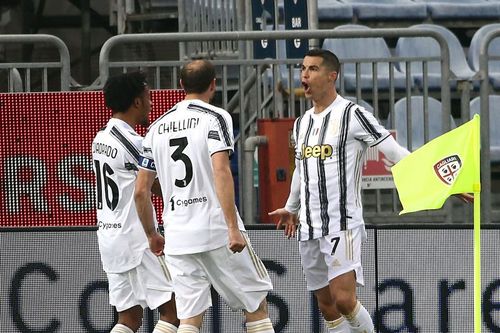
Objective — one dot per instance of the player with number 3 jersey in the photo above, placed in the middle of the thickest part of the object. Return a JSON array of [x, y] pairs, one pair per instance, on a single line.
[[206, 245]]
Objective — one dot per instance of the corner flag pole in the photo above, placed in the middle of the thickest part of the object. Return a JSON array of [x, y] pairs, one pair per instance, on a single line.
[[477, 240], [477, 258]]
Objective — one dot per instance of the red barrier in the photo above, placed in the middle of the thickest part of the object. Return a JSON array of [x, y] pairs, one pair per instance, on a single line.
[[45, 161]]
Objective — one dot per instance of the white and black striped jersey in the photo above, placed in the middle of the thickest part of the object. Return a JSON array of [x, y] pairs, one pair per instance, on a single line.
[[122, 240], [178, 147], [329, 154]]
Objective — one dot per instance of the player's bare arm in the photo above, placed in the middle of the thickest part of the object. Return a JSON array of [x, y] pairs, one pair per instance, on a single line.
[[145, 210], [288, 219], [224, 188]]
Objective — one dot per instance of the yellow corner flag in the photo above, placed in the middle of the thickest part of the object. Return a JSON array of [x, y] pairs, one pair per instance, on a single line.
[[447, 165]]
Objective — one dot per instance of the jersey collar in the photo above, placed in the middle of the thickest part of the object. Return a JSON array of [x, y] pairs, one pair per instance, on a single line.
[[120, 123]]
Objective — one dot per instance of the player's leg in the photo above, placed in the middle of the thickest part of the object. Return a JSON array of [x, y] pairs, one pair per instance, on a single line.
[[129, 320], [168, 321], [192, 288], [343, 289], [316, 273], [191, 324], [154, 283], [342, 252], [258, 321], [242, 280], [334, 321], [122, 297]]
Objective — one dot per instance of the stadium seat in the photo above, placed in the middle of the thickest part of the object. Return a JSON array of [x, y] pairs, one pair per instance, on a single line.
[[463, 9], [356, 49], [417, 120], [362, 103], [429, 47], [333, 10], [381, 10], [494, 106], [493, 50], [283, 68]]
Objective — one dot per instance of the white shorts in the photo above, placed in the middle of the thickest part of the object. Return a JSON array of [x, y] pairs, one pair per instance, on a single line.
[[147, 285], [327, 257], [240, 279]]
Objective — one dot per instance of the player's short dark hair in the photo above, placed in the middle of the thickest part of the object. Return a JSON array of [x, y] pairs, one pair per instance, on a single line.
[[197, 75], [120, 91], [329, 58]]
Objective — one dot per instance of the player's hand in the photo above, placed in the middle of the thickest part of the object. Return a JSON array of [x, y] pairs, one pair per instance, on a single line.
[[465, 197], [387, 164], [286, 220], [156, 243], [236, 241]]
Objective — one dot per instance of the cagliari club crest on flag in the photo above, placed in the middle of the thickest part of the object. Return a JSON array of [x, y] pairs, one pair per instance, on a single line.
[[448, 168]]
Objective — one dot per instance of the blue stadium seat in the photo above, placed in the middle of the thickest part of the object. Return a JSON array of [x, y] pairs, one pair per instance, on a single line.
[[356, 49], [333, 10], [429, 47], [493, 50], [388, 9], [494, 106], [461, 9], [417, 120]]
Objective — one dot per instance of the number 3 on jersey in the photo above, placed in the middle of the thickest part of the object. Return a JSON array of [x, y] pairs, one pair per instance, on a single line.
[[105, 181], [177, 155]]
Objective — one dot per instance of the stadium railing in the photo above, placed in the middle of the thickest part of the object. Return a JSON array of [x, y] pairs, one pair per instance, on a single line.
[[14, 69], [246, 97], [249, 86]]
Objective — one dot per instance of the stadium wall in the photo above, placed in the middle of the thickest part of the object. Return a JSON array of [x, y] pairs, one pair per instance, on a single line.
[[416, 280]]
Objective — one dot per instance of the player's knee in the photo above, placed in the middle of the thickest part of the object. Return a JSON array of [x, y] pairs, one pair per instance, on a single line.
[[345, 302], [132, 318], [260, 313], [168, 313]]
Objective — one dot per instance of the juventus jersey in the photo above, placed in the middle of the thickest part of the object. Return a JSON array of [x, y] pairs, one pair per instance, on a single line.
[[178, 147], [329, 152], [122, 240]]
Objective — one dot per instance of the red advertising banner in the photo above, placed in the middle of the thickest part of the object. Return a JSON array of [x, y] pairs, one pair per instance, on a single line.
[[374, 172], [45, 161]]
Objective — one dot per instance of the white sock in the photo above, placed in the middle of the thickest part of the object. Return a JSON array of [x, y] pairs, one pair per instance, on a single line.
[[260, 326], [119, 328], [339, 325], [359, 320], [185, 328], [164, 327]]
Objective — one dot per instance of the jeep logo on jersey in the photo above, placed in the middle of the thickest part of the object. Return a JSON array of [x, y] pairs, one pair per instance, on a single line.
[[447, 169], [321, 151]]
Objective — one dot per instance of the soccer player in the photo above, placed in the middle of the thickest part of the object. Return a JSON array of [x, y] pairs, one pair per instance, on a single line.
[[331, 139], [137, 278], [205, 242]]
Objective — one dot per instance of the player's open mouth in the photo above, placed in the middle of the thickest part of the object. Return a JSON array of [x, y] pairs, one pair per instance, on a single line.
[[307, 89]]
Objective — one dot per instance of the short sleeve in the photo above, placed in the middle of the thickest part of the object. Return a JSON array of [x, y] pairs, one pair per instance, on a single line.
[[220, 133], [146, 160], [366, 128]]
